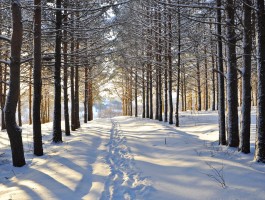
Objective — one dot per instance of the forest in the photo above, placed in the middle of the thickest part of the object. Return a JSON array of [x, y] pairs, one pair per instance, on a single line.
[[69, 64]]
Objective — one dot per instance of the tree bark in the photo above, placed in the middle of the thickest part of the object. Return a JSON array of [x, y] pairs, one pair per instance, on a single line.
[[19, 111], [72, 73], [90, 96], [3, 122], [136, 94], [206, 99], [244, 145], [86, 95], [260, 135], [13, 131], [37, 136], [178, 74], [57, 131], [232, 90], [170, 70], [199, 85], [65, 75], [143, 91], [221, 89], [30, 94]]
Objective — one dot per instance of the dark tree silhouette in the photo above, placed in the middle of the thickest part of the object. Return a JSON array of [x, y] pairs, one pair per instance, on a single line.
[[13, 131]]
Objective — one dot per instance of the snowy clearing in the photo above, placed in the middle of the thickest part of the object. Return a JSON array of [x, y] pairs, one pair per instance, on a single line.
[[134, 158]]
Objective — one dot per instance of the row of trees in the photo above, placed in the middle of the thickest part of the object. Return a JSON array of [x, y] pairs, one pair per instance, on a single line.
[[158, 48], [208, 52], [54, 44]]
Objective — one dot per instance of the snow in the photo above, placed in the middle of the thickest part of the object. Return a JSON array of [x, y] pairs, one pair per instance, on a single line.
[[134, 158]]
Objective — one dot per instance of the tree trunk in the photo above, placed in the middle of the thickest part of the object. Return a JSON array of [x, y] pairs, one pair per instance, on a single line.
[[30, 94], [143, 91], [232, 97], [178, 68], [170, 70], [90, 96], [160, 85], [73, 125], [65, 75], [13, 131], [206, 99], [3, 122], [221, 89], [213, 79], [19, 111], [244, 145], [260, 135], [166, 85], [147, 93], [77, 120], [37, 137], [57, 131], [86, 95], [199, 86], [136, 94]]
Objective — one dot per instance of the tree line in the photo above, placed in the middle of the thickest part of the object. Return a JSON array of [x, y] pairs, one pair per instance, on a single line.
[[210, 54]]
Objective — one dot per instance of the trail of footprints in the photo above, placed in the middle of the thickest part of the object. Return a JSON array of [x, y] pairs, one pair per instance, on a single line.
[[125, 181]]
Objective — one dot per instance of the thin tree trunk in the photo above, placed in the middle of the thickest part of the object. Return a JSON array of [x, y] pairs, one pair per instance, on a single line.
[[213, 80], [170, 70], [73, 125], [160, 49], [86, 95], [57, 131], [143, 91], [221, 93], [178, 68], [136, 94], [90, 96], [13, 131], [206, 99], [77, 120], [30, 94], [199, 86], [65, 77], [147, 93]]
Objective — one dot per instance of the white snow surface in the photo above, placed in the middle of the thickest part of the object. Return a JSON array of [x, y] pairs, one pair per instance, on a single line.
[[133, 158]]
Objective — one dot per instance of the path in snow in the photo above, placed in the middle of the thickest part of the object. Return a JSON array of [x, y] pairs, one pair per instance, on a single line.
[[125, 181], [128, 158]]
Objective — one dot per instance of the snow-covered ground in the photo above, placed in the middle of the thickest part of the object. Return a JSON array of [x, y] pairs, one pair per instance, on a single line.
[[134, 158]]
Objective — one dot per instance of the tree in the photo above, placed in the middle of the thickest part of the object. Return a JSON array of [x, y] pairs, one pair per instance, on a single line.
[[244, 145], [13, 131], [260, 135], [221, 88], [232, 98], [57, 131], [65, 77], [37, 137]]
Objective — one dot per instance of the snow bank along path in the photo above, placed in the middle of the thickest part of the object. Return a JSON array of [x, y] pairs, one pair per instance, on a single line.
[[133, 158]]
